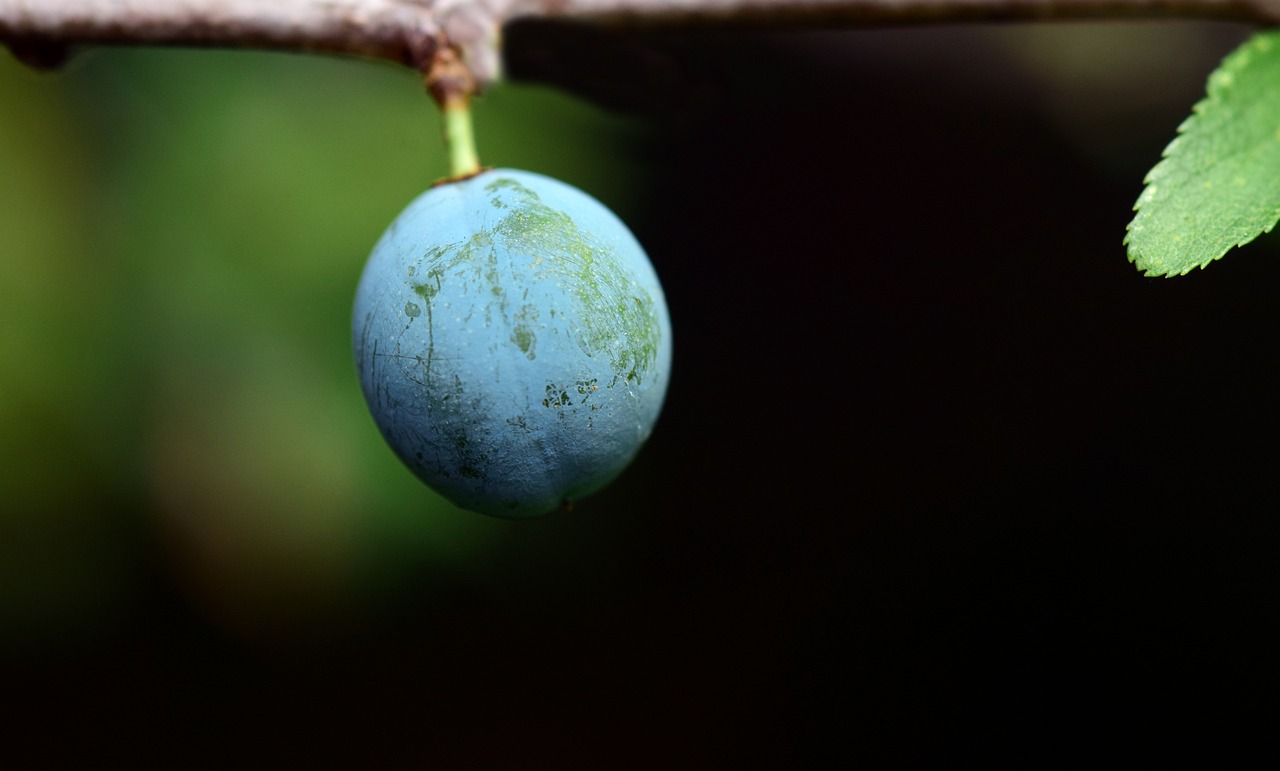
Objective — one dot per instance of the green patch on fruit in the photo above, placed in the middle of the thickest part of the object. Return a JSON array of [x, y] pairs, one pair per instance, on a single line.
[[613, 308], [618, 317], [557, 396], [523, 335], [431, 287]]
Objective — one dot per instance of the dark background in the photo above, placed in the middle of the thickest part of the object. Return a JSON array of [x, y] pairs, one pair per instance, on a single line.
[[941, 478]]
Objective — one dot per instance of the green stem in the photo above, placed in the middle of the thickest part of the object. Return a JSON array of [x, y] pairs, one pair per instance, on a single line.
[[459, 139]]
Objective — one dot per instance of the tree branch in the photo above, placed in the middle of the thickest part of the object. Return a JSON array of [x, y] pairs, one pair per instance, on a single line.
[[865, 12], [409, 31]]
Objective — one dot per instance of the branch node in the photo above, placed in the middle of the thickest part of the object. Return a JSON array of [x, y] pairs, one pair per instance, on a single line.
[[448, 79], [474, 28]]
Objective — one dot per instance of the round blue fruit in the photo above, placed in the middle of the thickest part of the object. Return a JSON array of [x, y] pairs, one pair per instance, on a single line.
[[513, 342]]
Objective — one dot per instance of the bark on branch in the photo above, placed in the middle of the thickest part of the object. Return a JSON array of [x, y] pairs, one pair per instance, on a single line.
[[408, 31]]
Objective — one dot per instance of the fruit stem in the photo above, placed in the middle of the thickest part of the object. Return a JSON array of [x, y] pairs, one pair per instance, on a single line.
[[459, 140], [450, 83]]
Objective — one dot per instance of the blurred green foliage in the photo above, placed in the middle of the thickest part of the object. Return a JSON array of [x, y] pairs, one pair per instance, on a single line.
[[181, 233]]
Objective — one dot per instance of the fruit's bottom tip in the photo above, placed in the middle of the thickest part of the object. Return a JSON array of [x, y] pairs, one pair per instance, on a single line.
[[515, 515]]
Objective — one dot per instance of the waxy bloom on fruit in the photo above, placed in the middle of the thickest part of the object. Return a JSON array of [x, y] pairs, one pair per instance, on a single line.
[[512, 341]]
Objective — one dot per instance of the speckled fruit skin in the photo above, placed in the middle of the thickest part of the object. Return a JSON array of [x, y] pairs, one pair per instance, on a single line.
[[513, 342]]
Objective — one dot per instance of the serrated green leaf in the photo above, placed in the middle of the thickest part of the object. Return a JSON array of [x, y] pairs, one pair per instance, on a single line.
[[1218, 183]]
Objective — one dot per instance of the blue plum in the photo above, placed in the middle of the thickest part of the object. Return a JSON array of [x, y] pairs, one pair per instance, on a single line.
[[513, 342]]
